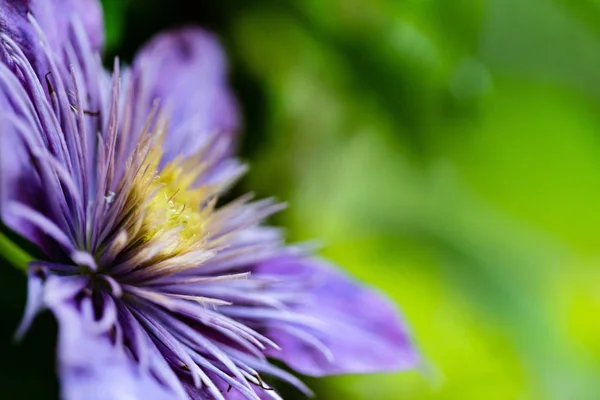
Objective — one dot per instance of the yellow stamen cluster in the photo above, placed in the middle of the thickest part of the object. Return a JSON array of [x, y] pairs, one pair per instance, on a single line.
[[175, 212], [176, 205]]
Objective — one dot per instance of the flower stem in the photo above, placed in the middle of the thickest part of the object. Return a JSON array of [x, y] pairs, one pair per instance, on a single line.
[[13, 253]]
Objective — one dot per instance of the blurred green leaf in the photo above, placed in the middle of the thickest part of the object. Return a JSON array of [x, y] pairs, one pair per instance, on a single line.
[[12, 253], [114, 20]]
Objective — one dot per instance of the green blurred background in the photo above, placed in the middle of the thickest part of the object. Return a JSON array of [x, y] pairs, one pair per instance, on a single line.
[[445, 151]]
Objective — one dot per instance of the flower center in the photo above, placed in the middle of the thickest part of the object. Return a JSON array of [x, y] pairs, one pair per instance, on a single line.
[[172, 204], [175, 205]]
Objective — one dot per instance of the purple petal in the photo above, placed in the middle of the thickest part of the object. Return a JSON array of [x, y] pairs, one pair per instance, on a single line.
[[186, 71], [361, 331], [54, 18], [35, 299], [90, 366], [226, 391], [18, 181], [33, 151], [234, 394]]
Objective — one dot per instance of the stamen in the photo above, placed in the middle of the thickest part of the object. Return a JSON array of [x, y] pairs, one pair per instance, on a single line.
[[86, 112], [48, 84], [172, 196], [92, 113], [174, 206], [260, 383]]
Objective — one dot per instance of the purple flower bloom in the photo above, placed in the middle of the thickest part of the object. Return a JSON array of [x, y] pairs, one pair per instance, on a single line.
[[158, 292]]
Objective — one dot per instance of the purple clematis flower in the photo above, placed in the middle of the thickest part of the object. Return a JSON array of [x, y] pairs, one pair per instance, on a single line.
[[158, 292]]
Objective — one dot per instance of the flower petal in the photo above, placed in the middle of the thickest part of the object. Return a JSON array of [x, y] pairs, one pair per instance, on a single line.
[[186, 71], [225, 391], [18, 181], [33, 147], [35, 299], [361, 331], [54, 18], [90, 366]]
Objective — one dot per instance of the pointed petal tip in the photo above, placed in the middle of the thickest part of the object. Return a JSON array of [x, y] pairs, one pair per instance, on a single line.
[[361, 328], [35, 299]]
